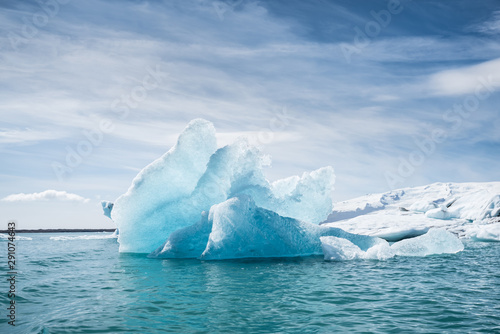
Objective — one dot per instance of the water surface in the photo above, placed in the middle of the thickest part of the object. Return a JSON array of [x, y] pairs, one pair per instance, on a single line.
[[86, 286]]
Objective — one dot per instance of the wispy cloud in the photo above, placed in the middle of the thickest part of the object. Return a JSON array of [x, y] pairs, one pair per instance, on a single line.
[[47, 195], [465, 80], [12, 136], [490, 26]]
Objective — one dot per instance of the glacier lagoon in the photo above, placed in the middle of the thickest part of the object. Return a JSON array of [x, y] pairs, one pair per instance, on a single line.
[[421, 259], [77, 283]]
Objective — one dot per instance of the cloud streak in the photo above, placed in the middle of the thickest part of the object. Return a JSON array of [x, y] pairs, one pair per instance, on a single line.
[[47, 195], [465, 80]]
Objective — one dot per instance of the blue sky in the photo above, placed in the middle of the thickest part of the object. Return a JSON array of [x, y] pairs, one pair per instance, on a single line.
[[390, 94]]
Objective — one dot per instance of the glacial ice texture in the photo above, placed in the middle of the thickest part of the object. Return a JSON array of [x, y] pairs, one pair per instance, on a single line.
[[172, 192]]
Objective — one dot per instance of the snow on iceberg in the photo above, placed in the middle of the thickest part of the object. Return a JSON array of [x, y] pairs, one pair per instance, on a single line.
[[171, 193], [238, 228], [435, 241]]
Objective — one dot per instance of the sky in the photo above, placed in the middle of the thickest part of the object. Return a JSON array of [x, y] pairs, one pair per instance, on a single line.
[[391, 94]]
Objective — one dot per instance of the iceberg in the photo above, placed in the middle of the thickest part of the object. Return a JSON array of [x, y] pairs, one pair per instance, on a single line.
[[435, 241], [171, 193]]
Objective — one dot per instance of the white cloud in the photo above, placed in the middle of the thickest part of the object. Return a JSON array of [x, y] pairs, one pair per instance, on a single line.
[[466, 80], [47, 195]]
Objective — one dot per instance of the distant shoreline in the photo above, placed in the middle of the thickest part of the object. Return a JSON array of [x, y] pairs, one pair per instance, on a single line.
[[62, 230]]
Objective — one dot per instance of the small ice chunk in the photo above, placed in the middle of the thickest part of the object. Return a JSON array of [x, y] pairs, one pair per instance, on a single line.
[[489, 232], [398, 233], [107, 206], [435, 241], [340, 249]]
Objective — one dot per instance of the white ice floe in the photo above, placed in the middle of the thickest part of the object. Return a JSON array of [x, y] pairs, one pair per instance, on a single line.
[[484, 232], [435, 241]]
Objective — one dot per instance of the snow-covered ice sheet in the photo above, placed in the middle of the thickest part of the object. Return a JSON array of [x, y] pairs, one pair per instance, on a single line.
[[410, 212]]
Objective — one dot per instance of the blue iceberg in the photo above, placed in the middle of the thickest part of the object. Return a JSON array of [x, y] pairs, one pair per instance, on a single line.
[[169, 196]]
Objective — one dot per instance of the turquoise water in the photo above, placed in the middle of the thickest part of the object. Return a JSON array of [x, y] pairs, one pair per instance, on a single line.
[[86, 286]]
